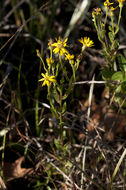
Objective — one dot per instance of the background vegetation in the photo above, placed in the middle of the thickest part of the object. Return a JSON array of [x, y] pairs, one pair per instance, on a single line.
[[32, 155]]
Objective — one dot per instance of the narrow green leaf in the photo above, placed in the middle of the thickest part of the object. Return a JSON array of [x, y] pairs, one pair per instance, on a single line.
[[111, 36], [122, 62], [64, 108], [116, 44], [69, 90], [110, 28], [56, 95], [65, 96], [103, 33], [57, 143]]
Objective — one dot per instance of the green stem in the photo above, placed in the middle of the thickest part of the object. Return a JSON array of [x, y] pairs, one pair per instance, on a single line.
[[74, 76], [51, 103], [60, 103], [64, 72], [120, 13], [106, 17], [38, 54], [112, 21], [37, 106]]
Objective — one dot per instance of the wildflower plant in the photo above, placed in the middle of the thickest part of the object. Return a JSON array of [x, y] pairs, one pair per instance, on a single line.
[[115, 69], [56, 77]]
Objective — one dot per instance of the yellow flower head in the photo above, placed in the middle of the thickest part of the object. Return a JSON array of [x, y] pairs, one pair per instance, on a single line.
[[60, 46], [96, 12], [86, 42], [49, 60], [70, 58], [121, 2], [47, 79], [107, 3], [111, 10]]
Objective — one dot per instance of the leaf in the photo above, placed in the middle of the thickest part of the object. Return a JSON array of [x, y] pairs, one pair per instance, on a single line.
[[64, 108], [56, 95], [117, 94], [69, 90], [65, 96], [117, 76], [115, 44], [62, 81], [48, 188], [14, 170], [117, 97], [107, 74], [59, 89], [118, 89], [103, 33], [111, 36], [110, 28], [122, 62], [57, 144], [123, 87], [54, 111]]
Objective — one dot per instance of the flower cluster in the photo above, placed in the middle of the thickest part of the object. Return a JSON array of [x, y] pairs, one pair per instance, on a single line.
[[110, 8], [96, 12], [108, 4], [60, 47]]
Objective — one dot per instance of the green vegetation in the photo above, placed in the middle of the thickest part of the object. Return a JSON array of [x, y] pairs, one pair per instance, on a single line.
[[62, 95]]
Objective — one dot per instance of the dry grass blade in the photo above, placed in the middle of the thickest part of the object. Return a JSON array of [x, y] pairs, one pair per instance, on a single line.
[[96, 82], [8, 71], [11, 12], [62, 173], [88, 115], [80, 10], [117, 168]]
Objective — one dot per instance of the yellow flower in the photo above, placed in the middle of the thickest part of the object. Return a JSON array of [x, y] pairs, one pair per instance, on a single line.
[[70, 58], [111, 10], [86, 42], [121, 2], [49, 61], [107, 3], [96, 12], [60, 46], [47, 79]]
